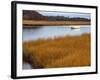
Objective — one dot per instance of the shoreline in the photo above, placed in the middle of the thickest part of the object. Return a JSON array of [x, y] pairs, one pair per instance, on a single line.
[[54, 23]]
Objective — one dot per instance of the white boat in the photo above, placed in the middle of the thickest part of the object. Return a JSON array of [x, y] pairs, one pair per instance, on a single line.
[[75, 27]]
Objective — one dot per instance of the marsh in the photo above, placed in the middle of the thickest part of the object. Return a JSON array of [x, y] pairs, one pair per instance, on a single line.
[[51, 32]]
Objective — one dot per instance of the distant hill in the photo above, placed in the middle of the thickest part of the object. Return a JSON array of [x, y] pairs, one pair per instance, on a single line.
[[34, 15]]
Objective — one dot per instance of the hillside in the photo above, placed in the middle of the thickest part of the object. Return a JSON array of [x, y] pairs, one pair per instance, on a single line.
[[32, 15]]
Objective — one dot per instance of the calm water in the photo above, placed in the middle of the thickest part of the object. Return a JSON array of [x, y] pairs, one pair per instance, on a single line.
[[51, 32], [27, 66]]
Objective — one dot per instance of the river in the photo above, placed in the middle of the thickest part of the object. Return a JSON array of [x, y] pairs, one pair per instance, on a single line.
[[52, 31]]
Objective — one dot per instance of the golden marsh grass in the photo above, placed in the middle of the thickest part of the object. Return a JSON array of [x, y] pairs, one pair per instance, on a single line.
[[68, 51], [72, 22]]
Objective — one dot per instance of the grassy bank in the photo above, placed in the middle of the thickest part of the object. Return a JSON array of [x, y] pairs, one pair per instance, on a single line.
[[69, 51], [53, 23]]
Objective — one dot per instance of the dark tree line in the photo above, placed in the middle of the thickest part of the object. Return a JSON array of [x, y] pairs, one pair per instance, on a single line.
[[62, 18]]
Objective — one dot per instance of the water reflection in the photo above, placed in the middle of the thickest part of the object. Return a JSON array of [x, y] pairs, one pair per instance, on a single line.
[[27, 66], [52, 31]]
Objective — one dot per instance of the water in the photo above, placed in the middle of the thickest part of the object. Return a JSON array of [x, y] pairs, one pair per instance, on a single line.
[[52, 31], [27, 66]]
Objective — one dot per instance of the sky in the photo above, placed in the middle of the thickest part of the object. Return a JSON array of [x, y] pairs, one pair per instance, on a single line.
[[66, 14]]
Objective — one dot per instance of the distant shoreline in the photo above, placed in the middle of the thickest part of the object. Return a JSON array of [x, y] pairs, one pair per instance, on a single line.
[[55, 23]]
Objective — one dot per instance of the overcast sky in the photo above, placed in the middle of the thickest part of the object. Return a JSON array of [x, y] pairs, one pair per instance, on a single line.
[[66, 14]]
